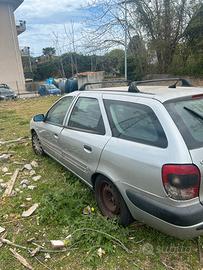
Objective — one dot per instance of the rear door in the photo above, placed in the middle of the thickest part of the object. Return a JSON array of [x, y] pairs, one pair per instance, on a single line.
[[188, 116], [85, 135], [51, 128]]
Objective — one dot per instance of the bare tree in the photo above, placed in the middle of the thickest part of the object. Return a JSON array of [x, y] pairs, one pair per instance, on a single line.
[[70, 37], [59, 52], [160, 23]]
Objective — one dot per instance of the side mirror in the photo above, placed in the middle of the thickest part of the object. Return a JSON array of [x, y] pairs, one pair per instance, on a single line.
[[38, 118]]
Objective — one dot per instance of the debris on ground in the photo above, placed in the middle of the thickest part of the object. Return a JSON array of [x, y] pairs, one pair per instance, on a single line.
[[11, 183], [5, 157], [47, 256], [32, 173], [101, 252], [25, 183], [88, 210], [21, 259], [58, 244], [31, 187], [3, 236], [28, 167], [30, 211], [2, 229], [4, 169], [36, 178], [35, 251], [3, 185], [22, 139], [7, 174], [18, 163], [34, 164]]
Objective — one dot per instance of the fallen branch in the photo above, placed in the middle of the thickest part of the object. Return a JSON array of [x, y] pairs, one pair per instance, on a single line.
[[114, 239], [11, 184], [3, 236], [20, 258], [14, 141], [7, 242]]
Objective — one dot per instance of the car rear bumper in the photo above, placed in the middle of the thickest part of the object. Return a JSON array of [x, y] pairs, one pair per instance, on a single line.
[[182, 222]]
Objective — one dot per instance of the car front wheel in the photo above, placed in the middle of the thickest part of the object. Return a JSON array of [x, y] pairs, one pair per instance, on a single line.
[[110, 201], [36, 144]]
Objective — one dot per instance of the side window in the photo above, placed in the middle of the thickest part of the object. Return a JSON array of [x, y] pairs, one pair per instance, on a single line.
[[58, 111], [135, 122], [86, 116]]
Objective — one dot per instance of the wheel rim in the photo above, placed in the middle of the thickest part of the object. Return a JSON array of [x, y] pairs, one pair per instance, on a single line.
[[36, 144], [110, 200]]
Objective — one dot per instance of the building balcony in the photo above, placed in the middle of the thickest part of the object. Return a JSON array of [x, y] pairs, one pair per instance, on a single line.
[[21, 27], [14, 3]]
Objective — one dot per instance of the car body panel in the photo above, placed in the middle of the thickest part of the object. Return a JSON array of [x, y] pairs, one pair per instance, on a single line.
[[49, 136], [81, 151], [48, 89], [6, 93]]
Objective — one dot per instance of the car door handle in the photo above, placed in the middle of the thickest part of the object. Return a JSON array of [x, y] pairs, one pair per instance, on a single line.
[[87, 149], [56, 136]]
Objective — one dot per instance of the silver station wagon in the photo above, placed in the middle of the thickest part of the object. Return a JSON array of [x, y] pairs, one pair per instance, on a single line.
[[141, 151]]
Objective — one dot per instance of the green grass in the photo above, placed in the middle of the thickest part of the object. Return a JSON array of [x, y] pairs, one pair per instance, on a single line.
[[62, 198]]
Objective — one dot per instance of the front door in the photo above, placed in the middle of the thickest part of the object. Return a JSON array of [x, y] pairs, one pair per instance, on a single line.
[[52, 126]]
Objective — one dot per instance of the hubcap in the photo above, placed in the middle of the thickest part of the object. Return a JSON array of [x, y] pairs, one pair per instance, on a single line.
[[36, 144], [110, 200]]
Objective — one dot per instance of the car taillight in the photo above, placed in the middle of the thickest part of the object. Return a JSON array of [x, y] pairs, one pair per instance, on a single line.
[[181, 182]]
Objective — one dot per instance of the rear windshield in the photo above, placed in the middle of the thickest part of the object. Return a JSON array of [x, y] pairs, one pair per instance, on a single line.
[[188, 117]]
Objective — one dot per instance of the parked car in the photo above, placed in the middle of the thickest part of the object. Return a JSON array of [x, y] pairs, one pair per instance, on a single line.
[[48, 89], [6, 93], [141, 153]]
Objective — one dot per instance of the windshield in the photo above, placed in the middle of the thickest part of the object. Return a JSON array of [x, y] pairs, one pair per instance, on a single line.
[[5, 92], [51, 86], [188, 116], [4, 86]]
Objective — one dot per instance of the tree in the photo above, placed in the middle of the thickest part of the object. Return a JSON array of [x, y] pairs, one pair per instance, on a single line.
[[113, 62], [160, 23], [49, 52], [192, 55], [194, 31]]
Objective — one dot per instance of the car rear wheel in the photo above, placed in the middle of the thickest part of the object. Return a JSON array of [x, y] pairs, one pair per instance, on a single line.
[[36, 144], [110, 201]]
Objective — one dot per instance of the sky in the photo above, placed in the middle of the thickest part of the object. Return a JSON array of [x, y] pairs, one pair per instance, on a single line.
[[46, 23]]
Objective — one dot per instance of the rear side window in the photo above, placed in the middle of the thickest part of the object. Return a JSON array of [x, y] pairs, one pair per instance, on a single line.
[[135, 122], [86, 116], [188, 117]]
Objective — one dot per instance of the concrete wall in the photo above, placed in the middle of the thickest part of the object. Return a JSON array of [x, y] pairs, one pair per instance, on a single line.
[[11, 69], [90, 77]]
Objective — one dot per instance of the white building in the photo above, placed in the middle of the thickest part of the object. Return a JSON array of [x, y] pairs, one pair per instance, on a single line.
[[11, 69]]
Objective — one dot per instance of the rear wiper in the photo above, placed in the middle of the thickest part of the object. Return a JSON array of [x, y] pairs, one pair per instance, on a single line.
[[194, 113]]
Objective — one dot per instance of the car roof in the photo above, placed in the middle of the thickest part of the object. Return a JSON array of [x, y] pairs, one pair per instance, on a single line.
[[160, 93]]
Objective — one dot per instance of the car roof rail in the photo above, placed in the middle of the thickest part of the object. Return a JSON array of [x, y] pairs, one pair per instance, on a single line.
[[133, 86], [83, 87]]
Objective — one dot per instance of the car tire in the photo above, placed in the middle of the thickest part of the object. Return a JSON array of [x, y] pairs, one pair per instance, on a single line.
[[110, 201], [36, 145]]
